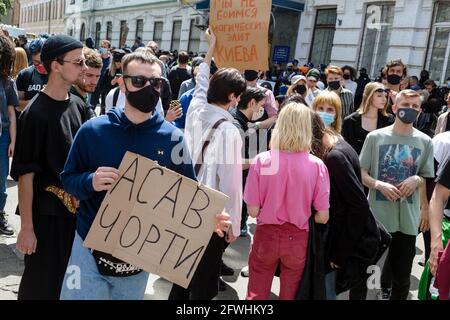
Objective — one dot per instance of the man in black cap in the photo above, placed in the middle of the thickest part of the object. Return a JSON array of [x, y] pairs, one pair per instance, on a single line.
[[44, 137]]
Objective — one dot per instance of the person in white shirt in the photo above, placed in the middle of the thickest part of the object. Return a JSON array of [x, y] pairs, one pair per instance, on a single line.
[[312, 78], [219, 165]]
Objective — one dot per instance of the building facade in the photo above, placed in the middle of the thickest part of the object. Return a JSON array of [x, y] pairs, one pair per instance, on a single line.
[[169, 23], [42, 16], [364, 33]]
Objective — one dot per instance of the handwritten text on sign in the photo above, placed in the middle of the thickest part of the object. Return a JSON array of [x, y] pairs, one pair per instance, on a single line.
[[241, 27], [156, 219]]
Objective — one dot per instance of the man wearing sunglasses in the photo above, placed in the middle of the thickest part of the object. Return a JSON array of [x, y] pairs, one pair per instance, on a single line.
[[91, 169], [44, 137]]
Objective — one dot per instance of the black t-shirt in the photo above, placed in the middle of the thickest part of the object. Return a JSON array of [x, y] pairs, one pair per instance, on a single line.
[[176, 77], [45, 134], [355, 134], [31, 82]]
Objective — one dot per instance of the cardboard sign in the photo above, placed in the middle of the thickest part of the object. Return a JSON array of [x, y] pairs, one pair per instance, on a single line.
[[241, 28], [156, 219]]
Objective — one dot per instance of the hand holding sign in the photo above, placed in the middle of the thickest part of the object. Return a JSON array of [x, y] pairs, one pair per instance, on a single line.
[[104, 178], [155, 219], [242, 28]]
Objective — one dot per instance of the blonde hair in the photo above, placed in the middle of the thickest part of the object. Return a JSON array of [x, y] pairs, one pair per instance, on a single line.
[[369, 91], [333, 70], [408, 93], [20, 62], [332, 99], [293, 130]]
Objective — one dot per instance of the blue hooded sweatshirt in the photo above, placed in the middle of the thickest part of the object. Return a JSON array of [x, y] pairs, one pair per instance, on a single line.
[[103, 141]]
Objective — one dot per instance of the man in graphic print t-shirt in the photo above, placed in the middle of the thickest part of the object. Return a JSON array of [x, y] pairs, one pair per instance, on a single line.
[[394, 161]]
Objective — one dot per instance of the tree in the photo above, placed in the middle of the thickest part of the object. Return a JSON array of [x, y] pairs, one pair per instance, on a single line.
[[5, 5]]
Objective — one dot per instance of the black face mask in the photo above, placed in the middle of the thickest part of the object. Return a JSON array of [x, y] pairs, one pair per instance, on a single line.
[[290, 69], [145, 99], [301, 89], [346, 76], [334, 85], [407, 115], [393, 79]]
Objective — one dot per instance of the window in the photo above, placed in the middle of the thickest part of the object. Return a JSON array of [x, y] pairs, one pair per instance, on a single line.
[[376, 37], [176, 35], [123, 33], [194, 38], [108, 30], [438, 60], [139, 28], [323, 36], [98, 29], [83, 32], [63, 8], [157, 32]]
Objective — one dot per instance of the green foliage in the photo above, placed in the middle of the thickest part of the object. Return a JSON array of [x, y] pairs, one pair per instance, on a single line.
[[5, 5]]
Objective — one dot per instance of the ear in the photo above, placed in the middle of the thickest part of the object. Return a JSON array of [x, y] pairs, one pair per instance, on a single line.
[[121, 83], [394, 108]]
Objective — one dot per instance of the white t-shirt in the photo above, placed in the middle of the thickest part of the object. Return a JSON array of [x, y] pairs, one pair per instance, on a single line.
[[121, 102]]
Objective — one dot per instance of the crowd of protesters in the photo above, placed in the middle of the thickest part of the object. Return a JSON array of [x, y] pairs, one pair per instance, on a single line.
[[361, 166]]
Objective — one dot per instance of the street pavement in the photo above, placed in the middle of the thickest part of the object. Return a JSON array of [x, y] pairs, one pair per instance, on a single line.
[[11, 265]]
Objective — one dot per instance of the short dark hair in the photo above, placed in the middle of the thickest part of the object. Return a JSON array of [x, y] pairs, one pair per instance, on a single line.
[[183, 57], [223, 83], [251, 75], [251, 93], [395, 63], [48, 63], [138, 56], [429, 82]]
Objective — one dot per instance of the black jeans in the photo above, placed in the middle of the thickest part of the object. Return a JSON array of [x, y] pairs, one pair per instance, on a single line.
[[396, 272], [205, 282]]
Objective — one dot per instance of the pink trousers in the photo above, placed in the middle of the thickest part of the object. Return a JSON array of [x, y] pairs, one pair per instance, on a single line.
[[272, 245]]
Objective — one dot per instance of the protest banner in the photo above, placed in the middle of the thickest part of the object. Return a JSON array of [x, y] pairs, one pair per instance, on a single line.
[[156, 219], [241, 28]]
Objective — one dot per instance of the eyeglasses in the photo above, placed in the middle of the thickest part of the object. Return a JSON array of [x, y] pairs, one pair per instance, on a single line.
[[141, 81], [78, 62], [387, 91]]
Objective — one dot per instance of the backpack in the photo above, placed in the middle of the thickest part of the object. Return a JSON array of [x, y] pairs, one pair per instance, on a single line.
[[116, 96]]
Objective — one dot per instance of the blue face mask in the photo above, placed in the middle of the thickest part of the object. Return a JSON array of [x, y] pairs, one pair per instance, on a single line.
[[327, 118]]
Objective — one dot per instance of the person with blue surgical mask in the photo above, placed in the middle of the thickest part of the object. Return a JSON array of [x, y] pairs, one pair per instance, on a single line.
[[328, 105]]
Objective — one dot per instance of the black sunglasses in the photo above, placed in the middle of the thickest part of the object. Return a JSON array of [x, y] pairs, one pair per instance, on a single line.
[[141, 81], [383, 90]]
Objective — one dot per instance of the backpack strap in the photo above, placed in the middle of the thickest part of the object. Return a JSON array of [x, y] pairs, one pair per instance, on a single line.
[[116, 96], [198, 164]]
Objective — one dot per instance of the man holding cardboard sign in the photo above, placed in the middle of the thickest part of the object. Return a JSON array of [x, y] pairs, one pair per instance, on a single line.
[[122, 223]]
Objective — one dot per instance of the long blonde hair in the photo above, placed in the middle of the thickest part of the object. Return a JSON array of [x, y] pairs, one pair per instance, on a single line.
[[20, 62], [293, 130], [369, 91]]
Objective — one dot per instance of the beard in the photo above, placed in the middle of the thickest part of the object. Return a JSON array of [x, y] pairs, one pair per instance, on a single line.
[[85, 87]]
